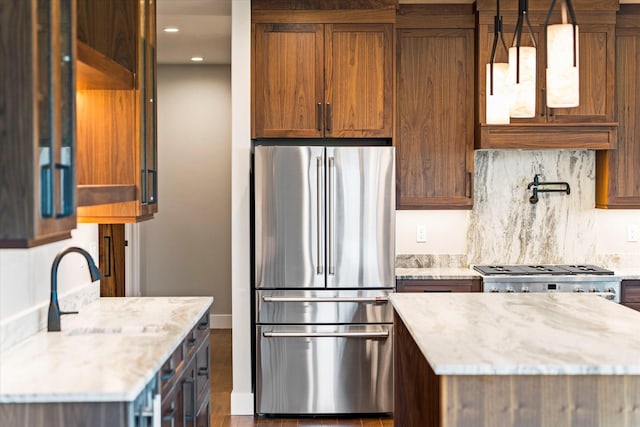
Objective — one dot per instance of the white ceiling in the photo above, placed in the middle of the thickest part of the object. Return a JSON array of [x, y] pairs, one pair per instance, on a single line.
[[205, 30]]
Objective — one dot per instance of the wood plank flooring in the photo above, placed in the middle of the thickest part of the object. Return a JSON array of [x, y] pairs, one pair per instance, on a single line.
[[221, 385]]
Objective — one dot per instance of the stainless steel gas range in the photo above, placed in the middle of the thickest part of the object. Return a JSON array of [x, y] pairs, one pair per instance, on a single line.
[[550, 278]]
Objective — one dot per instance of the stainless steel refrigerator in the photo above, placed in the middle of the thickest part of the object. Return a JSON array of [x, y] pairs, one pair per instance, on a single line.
[[324, 222]]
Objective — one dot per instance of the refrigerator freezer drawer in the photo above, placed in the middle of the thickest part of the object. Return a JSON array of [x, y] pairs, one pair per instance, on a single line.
[[323, 307], [327, 369]]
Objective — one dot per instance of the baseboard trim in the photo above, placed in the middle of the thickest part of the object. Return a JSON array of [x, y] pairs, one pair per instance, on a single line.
[[241, 403], [220, 321]]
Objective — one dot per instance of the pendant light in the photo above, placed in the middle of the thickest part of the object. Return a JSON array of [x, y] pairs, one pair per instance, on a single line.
[[497, 87], [522, 68], [563, 88]]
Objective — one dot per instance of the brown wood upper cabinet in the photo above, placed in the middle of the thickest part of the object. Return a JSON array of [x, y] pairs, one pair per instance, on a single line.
[[37, 122], [617, 171], [434, 107], [590, 125], [116, 114], [322, 80]]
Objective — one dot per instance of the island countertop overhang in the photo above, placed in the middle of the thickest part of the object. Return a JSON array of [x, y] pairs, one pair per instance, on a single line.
[[522, 334]]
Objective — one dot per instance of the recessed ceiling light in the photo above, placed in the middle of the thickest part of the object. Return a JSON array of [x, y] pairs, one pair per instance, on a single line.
[[197, 58], [171, 29]]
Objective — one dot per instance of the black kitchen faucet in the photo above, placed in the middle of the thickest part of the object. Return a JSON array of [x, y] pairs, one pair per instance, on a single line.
[[53, 322]]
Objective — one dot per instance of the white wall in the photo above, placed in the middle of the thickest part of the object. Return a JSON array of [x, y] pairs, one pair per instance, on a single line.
[[241, 396], [25, 283], [185, 248]]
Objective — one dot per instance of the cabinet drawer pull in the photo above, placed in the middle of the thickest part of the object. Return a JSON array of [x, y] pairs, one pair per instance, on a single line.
[[203, 372], [203, 325], [170, 415], [168, 374], [191, 342]]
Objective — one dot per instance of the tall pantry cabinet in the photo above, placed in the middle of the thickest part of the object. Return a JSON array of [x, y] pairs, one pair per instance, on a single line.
[[434, 119]]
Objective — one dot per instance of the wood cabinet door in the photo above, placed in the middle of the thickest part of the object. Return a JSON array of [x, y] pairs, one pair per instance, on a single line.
[[434, 144], [597, 63], [358, 89], [288, 80], [617, 172]]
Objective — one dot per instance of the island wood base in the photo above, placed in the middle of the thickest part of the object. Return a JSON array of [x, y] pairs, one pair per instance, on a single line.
[[422, 398]]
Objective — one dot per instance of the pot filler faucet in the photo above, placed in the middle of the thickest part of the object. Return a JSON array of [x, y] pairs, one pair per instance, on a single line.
[[53, 323]]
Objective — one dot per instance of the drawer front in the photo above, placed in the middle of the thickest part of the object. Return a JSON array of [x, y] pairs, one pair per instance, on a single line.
[[323, 307], [630, 291], [452, 285], [202, 369], [324, 369], [171, 369]]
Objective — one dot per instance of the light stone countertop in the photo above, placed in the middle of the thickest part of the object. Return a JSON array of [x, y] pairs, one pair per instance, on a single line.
[[628, 273], [106, 353], [522, 334], [436, 273]]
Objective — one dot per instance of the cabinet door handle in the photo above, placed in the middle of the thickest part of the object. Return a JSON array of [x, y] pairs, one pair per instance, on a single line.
[[319, 116], [66, 190], [152, 189], [108, 244], [470, 184], [328, 116], [46, 191], [192, 416], [544, 104]]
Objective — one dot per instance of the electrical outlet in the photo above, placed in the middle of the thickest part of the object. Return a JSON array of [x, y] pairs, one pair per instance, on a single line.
[[421, 234], [632, 233]]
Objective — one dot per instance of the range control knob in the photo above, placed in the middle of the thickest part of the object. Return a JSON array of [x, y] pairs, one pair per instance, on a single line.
[[494, 290], [510, 289], [578, 289], [593, 289], [525, 289], [610, 290]]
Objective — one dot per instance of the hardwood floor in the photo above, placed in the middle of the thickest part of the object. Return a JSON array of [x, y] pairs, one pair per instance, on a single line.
[[221, 385]]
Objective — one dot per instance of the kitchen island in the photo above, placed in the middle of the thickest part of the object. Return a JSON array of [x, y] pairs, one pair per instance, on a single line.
[[119, 362], [497, 360]]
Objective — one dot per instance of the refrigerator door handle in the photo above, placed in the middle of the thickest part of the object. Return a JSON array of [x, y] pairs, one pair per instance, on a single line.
[[381, 334], [377, 300], [330, 214], [320, 268]]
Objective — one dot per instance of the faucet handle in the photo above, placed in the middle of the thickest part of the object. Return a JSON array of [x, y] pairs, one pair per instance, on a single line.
[[68, 312]]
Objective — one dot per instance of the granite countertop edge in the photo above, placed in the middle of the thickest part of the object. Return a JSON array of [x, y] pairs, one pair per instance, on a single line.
[[177, 324], [521, 333]]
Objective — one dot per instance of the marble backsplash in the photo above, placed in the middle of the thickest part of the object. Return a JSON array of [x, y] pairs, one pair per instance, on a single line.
[[506, 228]]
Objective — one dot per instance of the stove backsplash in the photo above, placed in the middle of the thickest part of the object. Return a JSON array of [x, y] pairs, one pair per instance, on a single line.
[[506, 228]]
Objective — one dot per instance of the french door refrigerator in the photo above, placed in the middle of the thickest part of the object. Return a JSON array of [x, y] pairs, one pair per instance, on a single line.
[[324, 241]]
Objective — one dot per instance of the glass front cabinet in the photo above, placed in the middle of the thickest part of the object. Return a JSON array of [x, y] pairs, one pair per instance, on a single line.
[[37, 122]]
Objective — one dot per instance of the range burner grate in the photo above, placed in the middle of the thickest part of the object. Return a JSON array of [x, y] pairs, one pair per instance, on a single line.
[[545, 269]]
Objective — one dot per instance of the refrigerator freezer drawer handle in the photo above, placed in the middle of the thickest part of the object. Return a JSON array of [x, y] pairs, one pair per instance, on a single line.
[[377, 300], [381, 334]]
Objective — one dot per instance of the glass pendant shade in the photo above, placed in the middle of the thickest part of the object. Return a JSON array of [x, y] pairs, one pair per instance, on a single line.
[[563, 89], [523, 89], [498, 103]]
